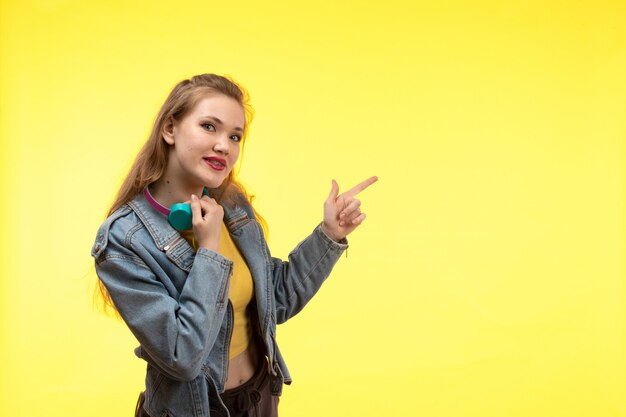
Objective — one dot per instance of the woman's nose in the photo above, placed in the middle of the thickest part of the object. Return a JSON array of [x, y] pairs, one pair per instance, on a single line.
[[221, 144]]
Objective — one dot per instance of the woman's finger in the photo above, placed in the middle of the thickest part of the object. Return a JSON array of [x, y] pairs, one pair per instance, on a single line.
[[350, 217], [206, 206], [196, 210], [360, 186], [210, 201], [359, 219], [349, 209], [334, 191]]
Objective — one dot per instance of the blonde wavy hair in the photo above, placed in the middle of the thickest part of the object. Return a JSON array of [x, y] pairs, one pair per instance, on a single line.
[[151, 162]]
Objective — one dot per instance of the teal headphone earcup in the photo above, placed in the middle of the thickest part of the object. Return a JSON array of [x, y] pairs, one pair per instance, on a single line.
[[180, 216]]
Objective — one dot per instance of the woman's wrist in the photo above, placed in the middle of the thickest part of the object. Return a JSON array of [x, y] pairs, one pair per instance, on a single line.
[[211, 245], [331, 235]]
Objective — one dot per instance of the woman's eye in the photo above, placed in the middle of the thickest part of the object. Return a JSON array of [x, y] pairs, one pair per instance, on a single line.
[[208, 124], [236, 138]]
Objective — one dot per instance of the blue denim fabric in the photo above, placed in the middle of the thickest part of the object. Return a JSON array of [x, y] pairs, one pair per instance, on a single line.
[[175, 299]]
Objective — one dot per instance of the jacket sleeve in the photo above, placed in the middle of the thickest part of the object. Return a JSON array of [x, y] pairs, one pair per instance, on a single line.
[[176, 334], [298, 279]]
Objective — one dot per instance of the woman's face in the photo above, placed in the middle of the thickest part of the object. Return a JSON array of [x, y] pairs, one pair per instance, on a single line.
[[206, 142]]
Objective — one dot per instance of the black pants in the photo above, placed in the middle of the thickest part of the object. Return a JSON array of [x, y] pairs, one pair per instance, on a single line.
[[251, 399]]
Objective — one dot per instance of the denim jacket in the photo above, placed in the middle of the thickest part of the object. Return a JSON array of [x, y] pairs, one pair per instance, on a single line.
[[175, 299]]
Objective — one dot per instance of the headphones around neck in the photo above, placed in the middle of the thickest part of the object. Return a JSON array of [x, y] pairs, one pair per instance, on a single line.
[[179, 215]]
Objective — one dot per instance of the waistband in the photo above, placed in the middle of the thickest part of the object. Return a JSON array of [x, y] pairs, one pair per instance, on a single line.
[[248, 394]]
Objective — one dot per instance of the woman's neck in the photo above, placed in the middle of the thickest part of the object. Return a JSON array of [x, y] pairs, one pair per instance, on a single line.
[[168, 192]]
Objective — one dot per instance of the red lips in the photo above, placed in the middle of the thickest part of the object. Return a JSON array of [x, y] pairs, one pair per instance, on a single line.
[[216, 163]]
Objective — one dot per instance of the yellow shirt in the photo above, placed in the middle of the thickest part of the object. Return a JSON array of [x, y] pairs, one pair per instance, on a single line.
[[240, 293]]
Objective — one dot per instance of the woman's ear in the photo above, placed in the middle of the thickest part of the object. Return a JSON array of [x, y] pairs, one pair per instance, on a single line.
[[168, 131]]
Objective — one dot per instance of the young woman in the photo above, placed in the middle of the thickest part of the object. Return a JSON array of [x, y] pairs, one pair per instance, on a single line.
[[204, 298]]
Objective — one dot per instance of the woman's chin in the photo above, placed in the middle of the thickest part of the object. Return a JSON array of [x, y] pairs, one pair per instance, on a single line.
[[214, 182]]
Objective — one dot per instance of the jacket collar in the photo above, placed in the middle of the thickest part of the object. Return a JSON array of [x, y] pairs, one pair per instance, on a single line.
[[164, 234]]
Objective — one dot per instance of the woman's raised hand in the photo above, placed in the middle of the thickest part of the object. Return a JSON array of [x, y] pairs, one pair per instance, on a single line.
[[207, 217], [342, 213]]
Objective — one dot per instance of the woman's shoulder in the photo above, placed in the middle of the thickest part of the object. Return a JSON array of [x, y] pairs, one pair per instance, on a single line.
[[114, 228], [235, 199]]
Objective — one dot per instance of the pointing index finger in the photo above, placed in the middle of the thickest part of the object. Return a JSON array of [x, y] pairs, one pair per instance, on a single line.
[[361, 186]]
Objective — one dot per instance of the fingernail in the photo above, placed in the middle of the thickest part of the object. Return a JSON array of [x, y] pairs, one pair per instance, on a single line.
[[193, 197]]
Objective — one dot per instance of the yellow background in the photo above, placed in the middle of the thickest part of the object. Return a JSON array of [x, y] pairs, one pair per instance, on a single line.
[[488, 278]]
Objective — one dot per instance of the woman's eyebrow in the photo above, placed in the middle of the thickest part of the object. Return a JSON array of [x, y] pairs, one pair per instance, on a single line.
[[218, 121]]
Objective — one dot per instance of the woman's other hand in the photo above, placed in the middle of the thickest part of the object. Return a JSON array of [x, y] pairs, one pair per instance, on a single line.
[[207, 217], [342, 213]]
